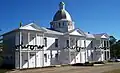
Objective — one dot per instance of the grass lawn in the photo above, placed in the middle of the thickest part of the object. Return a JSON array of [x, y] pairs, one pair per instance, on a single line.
[[114, 71], [3, 70]]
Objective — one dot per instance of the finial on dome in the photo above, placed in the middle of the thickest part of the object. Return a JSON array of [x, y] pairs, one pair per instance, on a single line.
[[20, 24], [62, 5]]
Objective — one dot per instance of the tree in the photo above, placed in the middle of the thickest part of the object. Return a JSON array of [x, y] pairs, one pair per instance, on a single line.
[[112, 40], [114, 47]]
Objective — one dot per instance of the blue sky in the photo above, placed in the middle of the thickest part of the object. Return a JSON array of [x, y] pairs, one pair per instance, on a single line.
[[95, 16]]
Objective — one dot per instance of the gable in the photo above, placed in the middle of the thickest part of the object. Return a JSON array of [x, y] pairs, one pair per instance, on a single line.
[[32, 26], [76, 32], [104, 36], [28, 28]]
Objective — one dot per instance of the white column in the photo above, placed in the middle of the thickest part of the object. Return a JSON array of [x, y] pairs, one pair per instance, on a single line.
[[69, 52], [28, 48], [88, 53], [103, 43], [109, 54], [35, 50], [43, 50], [85, 49], [80, 50], [57, 52], [100, 50], [109, 48], [106, 44], [106, 49], [103, 48], [76, 43], [106, 54], [20, 59]]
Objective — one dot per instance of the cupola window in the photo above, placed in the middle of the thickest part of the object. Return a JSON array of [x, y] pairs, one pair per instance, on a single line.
[[59, 24]]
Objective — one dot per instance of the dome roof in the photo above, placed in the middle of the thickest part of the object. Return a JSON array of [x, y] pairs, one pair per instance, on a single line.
[[62, 14]]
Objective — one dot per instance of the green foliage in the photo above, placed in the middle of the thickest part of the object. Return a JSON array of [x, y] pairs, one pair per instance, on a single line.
[[112, 40], [115, 47]]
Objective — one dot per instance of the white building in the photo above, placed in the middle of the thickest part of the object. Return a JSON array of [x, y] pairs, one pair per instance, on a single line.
[[31, 46]]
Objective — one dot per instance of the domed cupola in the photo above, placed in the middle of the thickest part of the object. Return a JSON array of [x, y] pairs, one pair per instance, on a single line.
[[62, 20], [62, 14]]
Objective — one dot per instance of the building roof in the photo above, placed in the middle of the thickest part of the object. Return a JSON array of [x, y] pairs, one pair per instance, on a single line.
[[101, 35], [88, 35], [62, 14], [75, 32], [50, 31], [30, 26]]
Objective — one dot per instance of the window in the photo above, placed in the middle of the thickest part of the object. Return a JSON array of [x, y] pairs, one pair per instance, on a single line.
[[104, 43], [45, 40], [91, 44], [22, 39], [56, 42], [107, 43], [92, 56], [56, 56], [67, 43], [107, 54], [84, 43], [76, 43], [48, 56], [45, 55]]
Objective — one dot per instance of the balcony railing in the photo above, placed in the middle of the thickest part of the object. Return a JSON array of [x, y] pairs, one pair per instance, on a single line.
[[77, 48]]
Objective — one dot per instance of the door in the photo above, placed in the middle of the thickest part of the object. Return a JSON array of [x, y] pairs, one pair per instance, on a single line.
[[78, 57], [39, 59], [24, 60], [82, 57], [32, 60]]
